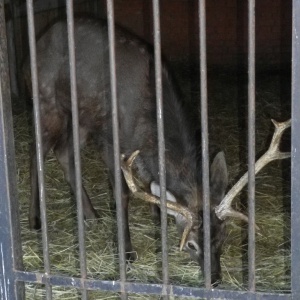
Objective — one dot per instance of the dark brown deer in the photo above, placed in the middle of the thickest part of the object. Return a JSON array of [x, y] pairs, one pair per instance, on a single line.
[[137, 127]]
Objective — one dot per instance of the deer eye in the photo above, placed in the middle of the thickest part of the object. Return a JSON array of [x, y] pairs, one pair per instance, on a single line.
[[191, 246]]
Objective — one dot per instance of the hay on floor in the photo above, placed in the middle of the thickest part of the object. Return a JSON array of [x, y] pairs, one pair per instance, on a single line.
[[227, 126]]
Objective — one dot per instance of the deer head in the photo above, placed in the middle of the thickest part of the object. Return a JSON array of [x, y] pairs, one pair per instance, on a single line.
[[189, 221]]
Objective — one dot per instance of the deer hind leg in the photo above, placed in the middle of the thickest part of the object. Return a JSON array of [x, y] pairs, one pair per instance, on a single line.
[[51, 126], [65, 155]]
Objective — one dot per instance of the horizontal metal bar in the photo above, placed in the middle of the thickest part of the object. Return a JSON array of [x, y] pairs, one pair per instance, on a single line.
[[142, 288]]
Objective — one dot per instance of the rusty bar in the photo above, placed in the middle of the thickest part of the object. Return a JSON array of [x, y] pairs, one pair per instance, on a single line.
[[161, 139], [76, 142], [39, 145], [10, 239], [204, 144], [251, 144], [116, 143], [295, 153]]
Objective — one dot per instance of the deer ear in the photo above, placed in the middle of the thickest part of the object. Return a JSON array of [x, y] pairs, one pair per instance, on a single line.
[[155, 190], [218, 178]]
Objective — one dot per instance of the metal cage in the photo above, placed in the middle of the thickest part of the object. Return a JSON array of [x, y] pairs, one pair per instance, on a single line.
[[12, 276]]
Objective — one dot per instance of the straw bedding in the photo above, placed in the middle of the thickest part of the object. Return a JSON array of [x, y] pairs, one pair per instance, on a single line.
[[227, 94]]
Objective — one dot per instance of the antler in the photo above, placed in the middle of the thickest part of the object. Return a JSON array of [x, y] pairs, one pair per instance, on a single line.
[[224, 209], [127, 171]]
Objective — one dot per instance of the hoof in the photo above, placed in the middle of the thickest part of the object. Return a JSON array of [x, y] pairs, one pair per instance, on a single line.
[[216, 280]]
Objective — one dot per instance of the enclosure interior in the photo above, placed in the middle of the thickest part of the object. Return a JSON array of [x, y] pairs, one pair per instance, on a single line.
[[227, 110]]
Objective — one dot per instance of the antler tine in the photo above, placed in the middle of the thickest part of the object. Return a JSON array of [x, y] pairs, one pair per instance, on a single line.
[[127, 171], [224, 209], [274, 146]]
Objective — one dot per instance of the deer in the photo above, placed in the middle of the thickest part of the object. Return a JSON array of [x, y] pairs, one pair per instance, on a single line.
[[135, 75]]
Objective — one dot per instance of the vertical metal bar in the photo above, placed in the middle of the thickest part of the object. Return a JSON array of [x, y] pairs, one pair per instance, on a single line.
[[10, 240], [76, 142], [39, 145], [161, 141], [251, 143], [118, 191], [204, 141], [12, 49], [295, 189]]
